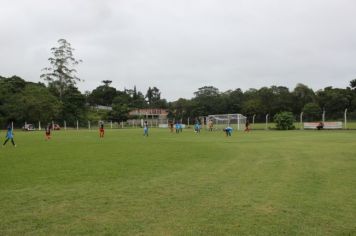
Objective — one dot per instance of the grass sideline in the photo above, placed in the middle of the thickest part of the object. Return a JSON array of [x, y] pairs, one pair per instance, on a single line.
[[258, 183]]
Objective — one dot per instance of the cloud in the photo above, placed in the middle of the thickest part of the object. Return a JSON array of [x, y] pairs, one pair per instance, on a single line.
[[179, 46]]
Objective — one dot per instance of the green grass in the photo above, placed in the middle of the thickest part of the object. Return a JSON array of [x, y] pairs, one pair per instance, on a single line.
[[258, 183]]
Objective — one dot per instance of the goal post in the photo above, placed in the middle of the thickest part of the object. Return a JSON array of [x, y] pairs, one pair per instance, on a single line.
[[220, 121]]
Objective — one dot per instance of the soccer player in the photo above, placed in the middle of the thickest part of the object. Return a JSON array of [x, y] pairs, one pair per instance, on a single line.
[[228, 131], [211, 125], [197, 126], [48, 132], [247, 126], [177, 127], [101, 130], [145, 129], [9, 135], [180, 127], [171, 126]]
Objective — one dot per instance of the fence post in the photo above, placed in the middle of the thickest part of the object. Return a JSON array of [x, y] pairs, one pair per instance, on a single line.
[[77, 125], [12, 125], [52, 125], [238, 122], [267, 121], [345, 116], [111, 124], [39, 125], [65, 125], [253, 118], [89, 125], [301, 120]]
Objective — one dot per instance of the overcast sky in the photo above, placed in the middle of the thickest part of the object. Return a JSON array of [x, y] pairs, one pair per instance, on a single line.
[[179, 46]]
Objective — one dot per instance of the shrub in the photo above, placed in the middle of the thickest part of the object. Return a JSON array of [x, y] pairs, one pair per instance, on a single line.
[[284, 120]]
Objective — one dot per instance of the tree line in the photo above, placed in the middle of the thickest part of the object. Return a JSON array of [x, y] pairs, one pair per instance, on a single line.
[[22, 101], [60, 99]]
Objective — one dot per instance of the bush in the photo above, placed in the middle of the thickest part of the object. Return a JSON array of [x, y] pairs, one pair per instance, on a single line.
[[284, 120]]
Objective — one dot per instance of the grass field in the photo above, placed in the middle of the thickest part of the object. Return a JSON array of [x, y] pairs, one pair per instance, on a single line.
[[260, 183]]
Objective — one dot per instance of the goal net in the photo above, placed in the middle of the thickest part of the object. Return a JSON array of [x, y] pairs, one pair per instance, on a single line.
[[220, 121]]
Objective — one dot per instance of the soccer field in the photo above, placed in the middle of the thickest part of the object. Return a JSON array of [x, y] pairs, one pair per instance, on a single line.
[[258, 183]]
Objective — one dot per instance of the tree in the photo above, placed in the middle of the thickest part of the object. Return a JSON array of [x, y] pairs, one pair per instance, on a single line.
[[106, 82], [302, 95], [207, 91], [118, 113], [353, 83], [22, 101], [73, 105], [103, 95], [153, 97], [61, 71], [312, 111], [120, 108], [233, 100], [283, 99], [37, 104], [206, 101], [253, 104], [138, 101], [334, 101]]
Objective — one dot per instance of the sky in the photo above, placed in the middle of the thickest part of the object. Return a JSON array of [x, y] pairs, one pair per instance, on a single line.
[[182, 45]]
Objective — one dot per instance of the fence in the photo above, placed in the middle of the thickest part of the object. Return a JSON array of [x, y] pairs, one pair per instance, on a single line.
[[265, 122], [86, 124], [348, 120]]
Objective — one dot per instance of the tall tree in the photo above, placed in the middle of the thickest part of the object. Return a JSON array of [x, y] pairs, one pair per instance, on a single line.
[[106, 82], [137, 98], [61, 72], [153, 96]]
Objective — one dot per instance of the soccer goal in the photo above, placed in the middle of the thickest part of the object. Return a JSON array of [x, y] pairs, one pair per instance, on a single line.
[[220, 121]]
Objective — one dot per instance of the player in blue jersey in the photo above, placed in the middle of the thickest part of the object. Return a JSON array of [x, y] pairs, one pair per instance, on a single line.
[[177, 127], [145, 129], [180, 127], [197, 126], [228, 131], [9, 135]]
